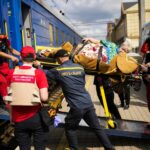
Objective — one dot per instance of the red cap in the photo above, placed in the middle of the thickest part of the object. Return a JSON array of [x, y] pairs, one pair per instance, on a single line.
[[27, 50]]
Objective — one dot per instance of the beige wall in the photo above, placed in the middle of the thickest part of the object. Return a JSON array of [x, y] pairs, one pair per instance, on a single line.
[[147, 17], [129, 26], [147, 4], [133, 28], [132, 25]]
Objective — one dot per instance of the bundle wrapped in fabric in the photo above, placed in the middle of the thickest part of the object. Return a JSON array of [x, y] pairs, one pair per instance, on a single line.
[[105, 58]]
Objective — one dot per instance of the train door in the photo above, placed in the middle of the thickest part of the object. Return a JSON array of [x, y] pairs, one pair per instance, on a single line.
[[26, 28], [51, 30]]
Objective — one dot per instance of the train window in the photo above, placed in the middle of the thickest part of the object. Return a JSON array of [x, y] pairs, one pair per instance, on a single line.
[[57, 36], [6, 27], [51, 30], [63, 37]]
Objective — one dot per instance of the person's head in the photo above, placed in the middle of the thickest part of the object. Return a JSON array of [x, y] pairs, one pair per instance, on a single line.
[[3, 38], [61, 56], [28, 54], [126, 46]]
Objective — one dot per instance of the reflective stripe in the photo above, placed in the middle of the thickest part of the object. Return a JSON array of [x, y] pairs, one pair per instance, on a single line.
[[70, 68]]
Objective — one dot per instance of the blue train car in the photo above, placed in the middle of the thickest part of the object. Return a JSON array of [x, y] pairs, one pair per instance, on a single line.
[[32, 22]]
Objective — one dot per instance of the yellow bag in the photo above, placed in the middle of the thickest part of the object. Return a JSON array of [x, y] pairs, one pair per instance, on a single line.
[[126, 64]]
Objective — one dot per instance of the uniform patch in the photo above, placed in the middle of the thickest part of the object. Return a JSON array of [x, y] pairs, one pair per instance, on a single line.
[[23, 78], [71, 73]]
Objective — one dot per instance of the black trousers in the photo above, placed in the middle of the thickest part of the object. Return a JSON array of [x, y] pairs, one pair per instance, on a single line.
[[110, 101], [72, 121], [125, 95], [32, 127]]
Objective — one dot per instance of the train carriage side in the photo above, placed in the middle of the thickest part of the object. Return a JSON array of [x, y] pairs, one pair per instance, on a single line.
[[34, 23], [57, 30]]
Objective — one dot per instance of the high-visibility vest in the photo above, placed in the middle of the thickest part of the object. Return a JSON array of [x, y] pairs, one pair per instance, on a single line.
[[23, 89]]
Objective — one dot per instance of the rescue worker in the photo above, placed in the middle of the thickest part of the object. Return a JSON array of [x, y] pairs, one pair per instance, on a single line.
[[28, 88], [71, 76], [5, 48]]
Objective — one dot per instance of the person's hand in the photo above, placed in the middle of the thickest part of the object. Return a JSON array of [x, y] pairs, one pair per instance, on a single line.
[[85, 39], [147, 78], [92, 40], [36, 63], [14, 59], [147, 65], [123, 48], [144, 68]]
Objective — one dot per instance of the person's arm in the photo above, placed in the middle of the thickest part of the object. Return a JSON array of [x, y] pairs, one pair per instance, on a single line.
[[144, 68], [52, 74], [42, 84], [13, 51], [5, 55], [44, 94], [37, 64], [92, 40]]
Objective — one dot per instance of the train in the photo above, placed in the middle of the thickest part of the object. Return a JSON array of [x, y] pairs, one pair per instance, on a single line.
[[35, 23]]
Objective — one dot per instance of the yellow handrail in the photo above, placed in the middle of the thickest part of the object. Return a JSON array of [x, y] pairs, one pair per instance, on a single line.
[[6, 29], [35, 41], [23, 40]]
